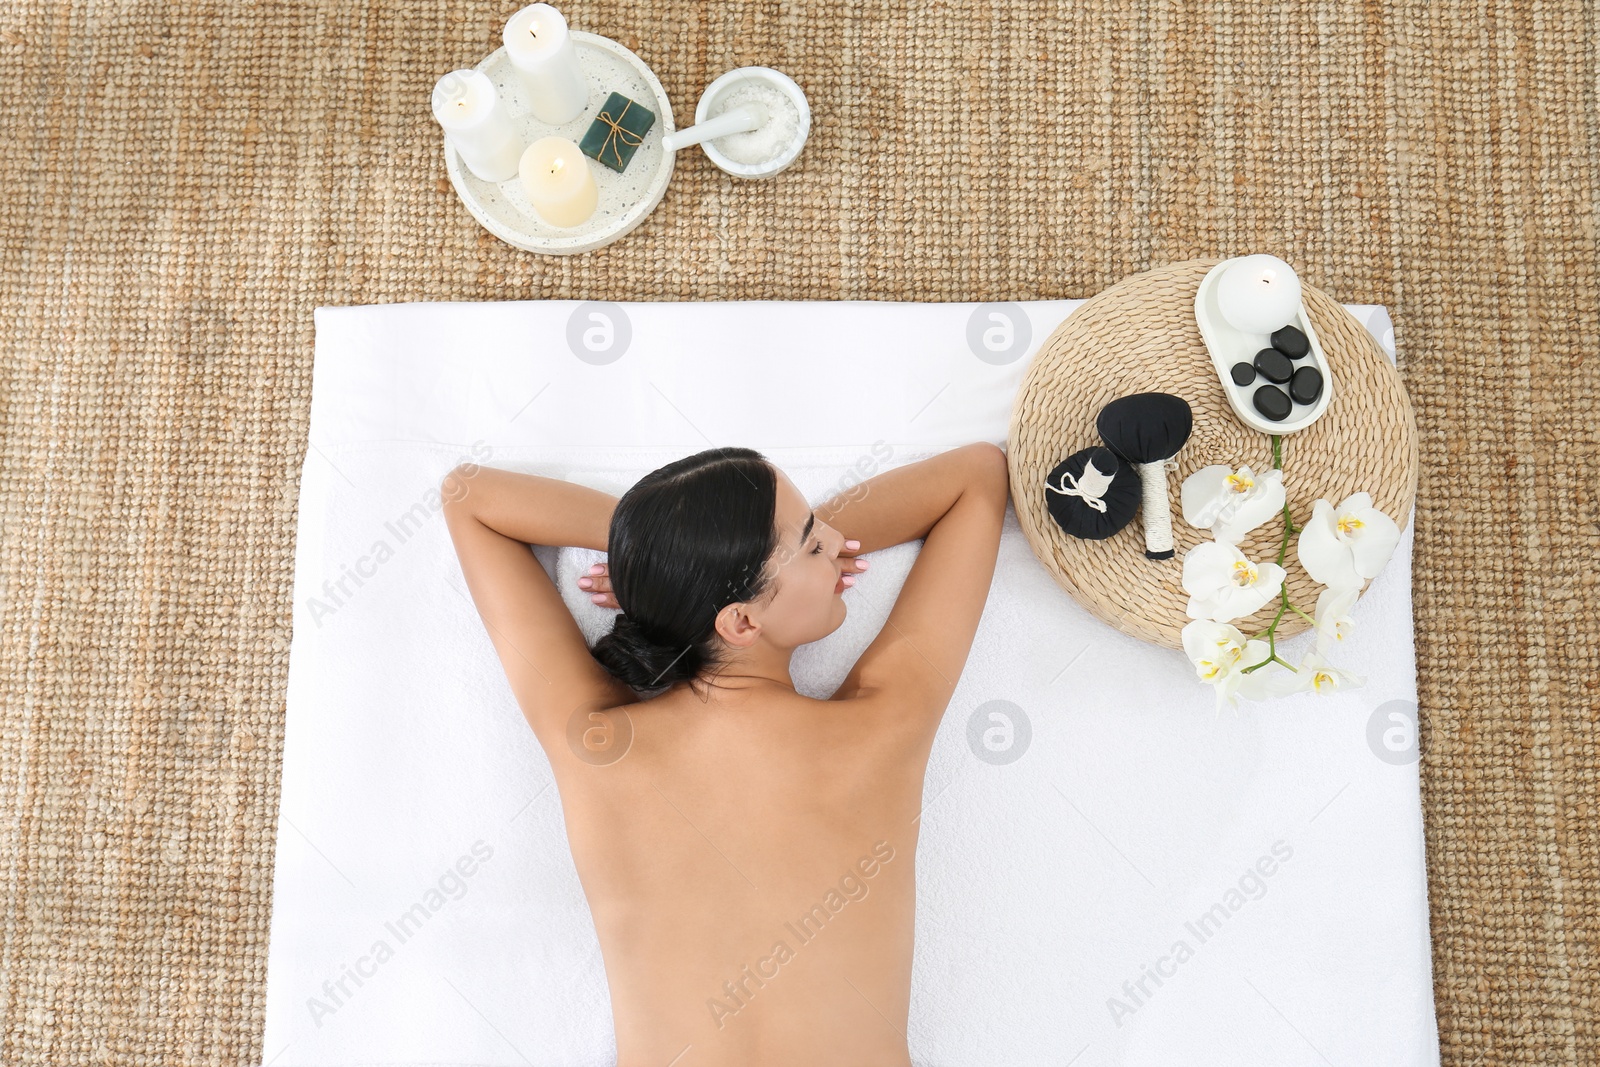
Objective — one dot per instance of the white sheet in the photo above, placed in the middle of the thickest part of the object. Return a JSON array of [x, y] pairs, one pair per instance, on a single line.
[[1048, 887]]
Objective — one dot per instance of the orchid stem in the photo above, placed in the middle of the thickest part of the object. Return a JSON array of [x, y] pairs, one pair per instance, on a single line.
[[1271, 632], [1274, 658]]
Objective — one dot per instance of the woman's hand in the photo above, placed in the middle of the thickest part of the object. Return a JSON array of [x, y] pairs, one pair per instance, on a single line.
[[597, 583], [850, 567]]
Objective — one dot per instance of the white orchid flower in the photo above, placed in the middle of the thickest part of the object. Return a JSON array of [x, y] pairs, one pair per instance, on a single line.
[[1315, 675], [1333, 621], [1223, 585], [1342, 547], [1220, 653], [1230, 503]]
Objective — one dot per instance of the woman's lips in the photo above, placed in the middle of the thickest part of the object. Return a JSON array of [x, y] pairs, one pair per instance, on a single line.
[[839, 586]]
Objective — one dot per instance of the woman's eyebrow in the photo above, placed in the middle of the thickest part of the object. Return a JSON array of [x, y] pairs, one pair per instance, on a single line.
[[805, 534]]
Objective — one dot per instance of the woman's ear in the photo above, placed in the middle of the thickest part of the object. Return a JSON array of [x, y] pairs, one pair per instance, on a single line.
[[736, 626]]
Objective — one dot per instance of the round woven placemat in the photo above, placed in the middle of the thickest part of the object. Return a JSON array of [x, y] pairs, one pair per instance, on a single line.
[[1140, 335]]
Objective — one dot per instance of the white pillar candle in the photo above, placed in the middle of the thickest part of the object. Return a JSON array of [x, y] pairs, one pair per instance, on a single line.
[[477, 123], [1258, 294], [541, 49], [555, 175]]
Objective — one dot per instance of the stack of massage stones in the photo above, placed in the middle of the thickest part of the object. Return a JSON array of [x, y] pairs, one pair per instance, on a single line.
[[1285, 385]]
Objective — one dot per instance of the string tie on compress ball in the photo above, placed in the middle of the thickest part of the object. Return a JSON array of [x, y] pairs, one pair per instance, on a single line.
[[1092, 494], [1090, 488]]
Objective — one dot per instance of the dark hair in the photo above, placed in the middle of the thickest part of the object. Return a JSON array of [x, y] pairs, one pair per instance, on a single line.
[[686, 540]]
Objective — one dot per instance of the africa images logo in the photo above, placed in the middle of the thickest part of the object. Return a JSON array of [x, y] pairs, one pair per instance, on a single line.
[[999, 333], [852, 886], [1250, 885], [599, 332], [397, 532], [451, 885]]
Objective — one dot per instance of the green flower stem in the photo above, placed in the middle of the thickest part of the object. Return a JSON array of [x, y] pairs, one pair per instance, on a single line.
[[1289, 528], [1271, 633], [1274, 658]]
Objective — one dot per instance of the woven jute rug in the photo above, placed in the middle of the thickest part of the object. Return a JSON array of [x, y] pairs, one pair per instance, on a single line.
[[181, 184]]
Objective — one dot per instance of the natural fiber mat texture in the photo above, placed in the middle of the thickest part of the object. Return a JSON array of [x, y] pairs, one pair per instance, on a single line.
[[183, 183], [1141, 335]]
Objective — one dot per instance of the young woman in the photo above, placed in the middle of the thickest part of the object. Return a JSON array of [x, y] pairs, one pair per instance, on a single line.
[[748, 853]]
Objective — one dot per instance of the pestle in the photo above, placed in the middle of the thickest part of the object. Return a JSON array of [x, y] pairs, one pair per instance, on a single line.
[[736, 120]]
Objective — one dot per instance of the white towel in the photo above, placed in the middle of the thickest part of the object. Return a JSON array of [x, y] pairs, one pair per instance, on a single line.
[[1105, 898]]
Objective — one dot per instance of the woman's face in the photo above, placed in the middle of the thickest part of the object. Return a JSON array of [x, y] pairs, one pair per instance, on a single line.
[[808, 604]]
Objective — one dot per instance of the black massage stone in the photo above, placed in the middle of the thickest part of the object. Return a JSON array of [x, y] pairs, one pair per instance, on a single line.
[[1243, 374], [1306, 385], [1291, 342], [1272, 402], [1274, 365]]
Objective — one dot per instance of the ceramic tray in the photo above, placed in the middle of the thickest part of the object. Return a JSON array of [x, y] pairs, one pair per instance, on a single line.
[[1229, 346], [625, 198]]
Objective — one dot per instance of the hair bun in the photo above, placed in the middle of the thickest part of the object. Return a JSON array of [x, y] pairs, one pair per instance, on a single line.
[[625, 623], [630, 654]]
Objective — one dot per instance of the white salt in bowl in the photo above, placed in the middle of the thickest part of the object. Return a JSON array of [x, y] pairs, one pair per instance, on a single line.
[[713, 103]]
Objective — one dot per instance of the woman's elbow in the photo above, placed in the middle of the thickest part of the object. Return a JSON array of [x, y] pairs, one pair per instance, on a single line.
[[453, 489], [992, 470]]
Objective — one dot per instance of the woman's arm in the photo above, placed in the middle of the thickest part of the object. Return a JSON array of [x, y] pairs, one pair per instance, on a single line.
[[917, 658], [494, 515], [903, 504], [531, 508], [897, 506]]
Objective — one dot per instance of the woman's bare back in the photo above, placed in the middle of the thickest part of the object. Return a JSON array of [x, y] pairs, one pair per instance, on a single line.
[[749, 861], [750, 865]]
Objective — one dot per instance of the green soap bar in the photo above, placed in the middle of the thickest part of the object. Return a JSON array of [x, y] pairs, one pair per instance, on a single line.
[[617, 132]]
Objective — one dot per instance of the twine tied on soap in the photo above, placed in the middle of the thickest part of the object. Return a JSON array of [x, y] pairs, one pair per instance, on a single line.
[[628, 136]]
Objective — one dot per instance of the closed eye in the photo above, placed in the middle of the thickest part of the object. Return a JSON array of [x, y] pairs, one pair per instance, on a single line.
[[818, 549]]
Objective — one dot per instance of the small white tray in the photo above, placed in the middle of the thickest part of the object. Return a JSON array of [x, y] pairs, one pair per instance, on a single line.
[[625, 199], [1229, 346]]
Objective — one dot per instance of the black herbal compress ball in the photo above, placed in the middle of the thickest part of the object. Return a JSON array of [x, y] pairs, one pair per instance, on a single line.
[[1091, 494], [1146, 430]]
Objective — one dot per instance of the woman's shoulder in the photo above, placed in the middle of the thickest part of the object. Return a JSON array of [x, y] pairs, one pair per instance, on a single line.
[[860, 722]]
